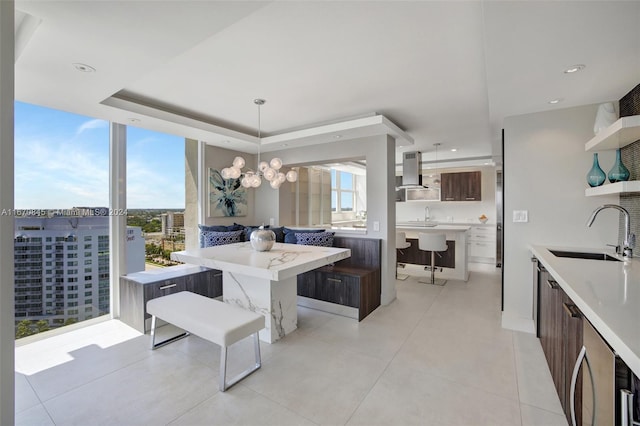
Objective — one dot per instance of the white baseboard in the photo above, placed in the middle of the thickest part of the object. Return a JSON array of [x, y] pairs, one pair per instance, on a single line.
[[512, 322]]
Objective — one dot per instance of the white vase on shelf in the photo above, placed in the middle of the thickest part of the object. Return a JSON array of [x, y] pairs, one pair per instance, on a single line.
[[605, 117]]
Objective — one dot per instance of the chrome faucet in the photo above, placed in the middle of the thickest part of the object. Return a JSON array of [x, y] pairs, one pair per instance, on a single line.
[[629, 238], [427, 214]]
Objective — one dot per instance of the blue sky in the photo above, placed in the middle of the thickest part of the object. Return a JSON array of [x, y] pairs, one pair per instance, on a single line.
[[62, 160]]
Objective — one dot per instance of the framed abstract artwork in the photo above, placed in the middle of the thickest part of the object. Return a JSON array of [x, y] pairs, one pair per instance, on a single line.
[[227, 198]]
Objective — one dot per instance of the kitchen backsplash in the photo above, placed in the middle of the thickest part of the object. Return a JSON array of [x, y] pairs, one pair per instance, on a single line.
[[630, 105]]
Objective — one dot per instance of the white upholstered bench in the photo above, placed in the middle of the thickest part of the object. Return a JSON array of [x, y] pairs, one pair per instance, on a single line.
[[210, 319]]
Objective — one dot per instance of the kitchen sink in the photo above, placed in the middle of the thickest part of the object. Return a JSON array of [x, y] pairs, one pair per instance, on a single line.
[[584, 255]]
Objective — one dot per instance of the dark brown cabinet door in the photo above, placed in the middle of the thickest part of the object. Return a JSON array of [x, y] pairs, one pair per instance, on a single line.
[[572, 343], [472, 184], [559, 327], [339, 288], [463, 186], [448, 187], [551, 333], [207, 284]]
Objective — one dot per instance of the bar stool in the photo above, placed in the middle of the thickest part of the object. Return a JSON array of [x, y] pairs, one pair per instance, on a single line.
[[401, 244], [433, 243]]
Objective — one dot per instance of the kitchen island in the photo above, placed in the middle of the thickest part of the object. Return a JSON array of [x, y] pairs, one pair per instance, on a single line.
[[459, 269]]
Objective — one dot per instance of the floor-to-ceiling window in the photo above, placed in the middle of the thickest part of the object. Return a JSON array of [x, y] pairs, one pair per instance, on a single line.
[[61, 238], [155, 195]]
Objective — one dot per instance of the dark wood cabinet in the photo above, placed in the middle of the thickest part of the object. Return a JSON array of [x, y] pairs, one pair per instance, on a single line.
[[559, 327], [571, 345], [551, 333], [354, 282], [415, 256], [138, 288], [462, 186], [354, 287]]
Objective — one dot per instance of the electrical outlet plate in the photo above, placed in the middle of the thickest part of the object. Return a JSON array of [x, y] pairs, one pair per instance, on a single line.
[[521, 216]]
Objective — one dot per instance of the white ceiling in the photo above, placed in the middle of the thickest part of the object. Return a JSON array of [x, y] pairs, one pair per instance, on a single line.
[[445, 72]]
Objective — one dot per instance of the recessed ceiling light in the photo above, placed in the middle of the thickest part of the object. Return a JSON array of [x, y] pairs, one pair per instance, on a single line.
[[574, 68], [454, 149], [337, 136], [83, 67], [134, 120], [556, 101], [285, 144]]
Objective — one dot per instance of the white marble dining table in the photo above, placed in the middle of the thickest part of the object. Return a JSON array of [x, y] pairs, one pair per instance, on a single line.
[[264, 282]]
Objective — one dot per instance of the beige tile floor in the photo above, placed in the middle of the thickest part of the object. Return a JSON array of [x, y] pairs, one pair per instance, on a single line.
[[435, 356]]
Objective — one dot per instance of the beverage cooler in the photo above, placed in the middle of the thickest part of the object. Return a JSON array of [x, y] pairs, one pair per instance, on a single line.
[[610, 391]]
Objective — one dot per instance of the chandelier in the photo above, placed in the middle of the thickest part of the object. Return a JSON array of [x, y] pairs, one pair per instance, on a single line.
[[269, 171]]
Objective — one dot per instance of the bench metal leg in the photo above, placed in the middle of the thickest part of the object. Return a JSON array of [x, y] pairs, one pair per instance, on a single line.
[[155, 345], [224, 385]]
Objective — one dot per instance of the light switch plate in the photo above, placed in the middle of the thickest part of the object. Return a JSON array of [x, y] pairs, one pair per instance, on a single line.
[[376, 226], [521, 216], [272, 221]]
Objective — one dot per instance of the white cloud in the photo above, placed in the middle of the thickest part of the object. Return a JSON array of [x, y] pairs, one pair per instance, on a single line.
[[91, 124], [50, 176]]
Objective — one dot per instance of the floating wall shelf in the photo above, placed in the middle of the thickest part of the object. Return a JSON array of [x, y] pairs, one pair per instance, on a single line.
[[614, 188], [624, 131]]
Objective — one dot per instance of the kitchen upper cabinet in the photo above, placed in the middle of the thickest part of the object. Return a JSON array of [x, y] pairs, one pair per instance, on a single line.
[[462, 186]]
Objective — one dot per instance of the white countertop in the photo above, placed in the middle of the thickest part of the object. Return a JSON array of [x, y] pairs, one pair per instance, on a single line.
[[432, 227], [607, 293], [281, 262]]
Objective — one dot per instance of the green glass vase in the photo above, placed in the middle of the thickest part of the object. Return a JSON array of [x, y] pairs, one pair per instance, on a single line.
[[618, 173], [596, 175]]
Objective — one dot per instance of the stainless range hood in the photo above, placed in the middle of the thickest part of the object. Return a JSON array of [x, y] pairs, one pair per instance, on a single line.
[[411, 170]]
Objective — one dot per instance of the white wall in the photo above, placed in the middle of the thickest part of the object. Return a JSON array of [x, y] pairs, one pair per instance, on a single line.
[[545, 168], [457, 211], [379, 152]]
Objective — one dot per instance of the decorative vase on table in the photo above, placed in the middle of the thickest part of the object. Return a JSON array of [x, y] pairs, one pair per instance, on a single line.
[[618, 173], [262, 239], [596, 175], [605, 117]]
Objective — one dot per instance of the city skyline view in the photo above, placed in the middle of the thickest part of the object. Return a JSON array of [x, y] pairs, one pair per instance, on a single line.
[[62, 161]]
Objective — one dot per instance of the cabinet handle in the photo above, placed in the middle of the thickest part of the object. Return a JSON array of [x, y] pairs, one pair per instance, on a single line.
[[626, 407], [335, 280], [571, 310], [574, 379], [552, 284], [449, 199], [164, 287], [470, 198], [219, 274]]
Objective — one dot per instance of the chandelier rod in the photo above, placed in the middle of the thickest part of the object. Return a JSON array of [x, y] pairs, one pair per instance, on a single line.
[[259, 102]]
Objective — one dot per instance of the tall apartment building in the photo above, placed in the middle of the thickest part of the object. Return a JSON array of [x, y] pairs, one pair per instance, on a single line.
[[62, 267], [172, 224]]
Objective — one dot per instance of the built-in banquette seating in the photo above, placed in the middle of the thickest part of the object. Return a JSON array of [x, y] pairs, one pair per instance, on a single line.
[[349, 287], [354, 282]]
